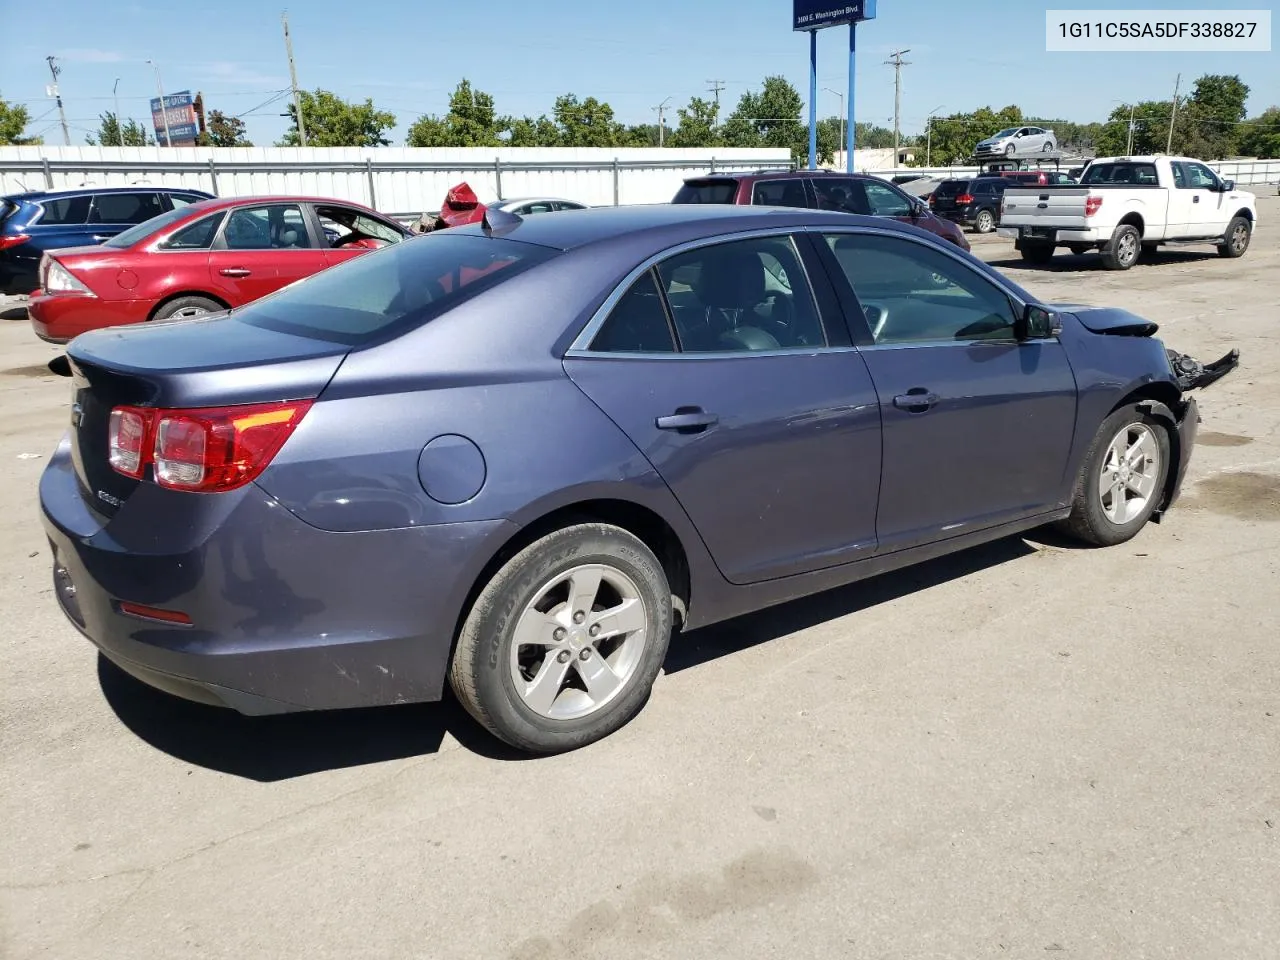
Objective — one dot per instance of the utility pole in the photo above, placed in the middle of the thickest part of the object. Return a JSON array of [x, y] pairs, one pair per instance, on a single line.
[[842, 116], [661, 108], [293, 80], [57, 94], [1129, 150], [119, 124], [164, 111], [897, 63], [714, 87], [1173, 114]]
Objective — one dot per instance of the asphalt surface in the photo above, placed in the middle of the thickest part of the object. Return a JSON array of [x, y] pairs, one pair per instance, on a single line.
[[1025, 750]]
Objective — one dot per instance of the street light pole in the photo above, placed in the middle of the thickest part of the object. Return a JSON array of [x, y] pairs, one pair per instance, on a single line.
[[841, 96], [119, 126], [928, 151], [168, 140]]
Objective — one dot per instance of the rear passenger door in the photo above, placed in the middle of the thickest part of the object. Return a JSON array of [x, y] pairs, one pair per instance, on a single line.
[[746, 398], [790, 192], [113, 213]]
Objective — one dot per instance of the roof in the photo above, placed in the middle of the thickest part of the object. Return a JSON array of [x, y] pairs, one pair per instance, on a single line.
[[778, 174], [666, 223], [82, 191]]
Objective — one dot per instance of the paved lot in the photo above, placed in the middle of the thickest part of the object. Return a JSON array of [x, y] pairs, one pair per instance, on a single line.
[[1027, 750]]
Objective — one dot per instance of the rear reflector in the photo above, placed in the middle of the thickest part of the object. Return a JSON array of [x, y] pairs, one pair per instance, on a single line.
[[13, 240], [1091, 205], [206, 450], [154, 613]]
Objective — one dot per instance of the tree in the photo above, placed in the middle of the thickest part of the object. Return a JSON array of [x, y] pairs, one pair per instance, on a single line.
[[1213, 113], [697, 126], [13, 121], [586, 123], [771, 118], [224, 131], [333, 122], [1260, 137], [527, 132], [111, 134], [470, 122]]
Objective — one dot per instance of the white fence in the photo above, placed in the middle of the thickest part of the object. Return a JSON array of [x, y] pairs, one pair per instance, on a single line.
[[391, 179]]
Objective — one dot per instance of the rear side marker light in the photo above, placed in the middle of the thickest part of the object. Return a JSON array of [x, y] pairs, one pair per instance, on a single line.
[[1091, 205], [206, 450], [143, 612]]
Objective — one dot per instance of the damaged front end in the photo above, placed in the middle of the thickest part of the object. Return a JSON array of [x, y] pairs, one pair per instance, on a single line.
[[1191, 374]]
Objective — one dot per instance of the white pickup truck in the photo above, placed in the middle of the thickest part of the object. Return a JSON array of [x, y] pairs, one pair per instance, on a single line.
[[1124, 205]]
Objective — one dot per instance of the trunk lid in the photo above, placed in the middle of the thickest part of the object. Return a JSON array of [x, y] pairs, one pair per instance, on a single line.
[[1045, 206], [197, 363]]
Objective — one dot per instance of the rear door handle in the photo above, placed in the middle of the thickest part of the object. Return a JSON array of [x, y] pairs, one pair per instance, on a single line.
[[916, 400], [234, 272], [687, 420], [1195, 199]]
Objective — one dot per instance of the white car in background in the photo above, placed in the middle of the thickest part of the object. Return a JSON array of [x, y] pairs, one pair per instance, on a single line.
[[1018, 142], [523, 206]]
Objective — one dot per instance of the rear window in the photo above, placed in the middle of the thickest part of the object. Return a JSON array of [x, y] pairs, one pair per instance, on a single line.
[[951, 188], [64, 211], [394, 287], [1131, 173], [128, 238], [707, 191]]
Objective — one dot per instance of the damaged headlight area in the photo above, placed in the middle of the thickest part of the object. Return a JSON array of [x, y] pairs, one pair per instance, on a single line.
[[1194, 375]]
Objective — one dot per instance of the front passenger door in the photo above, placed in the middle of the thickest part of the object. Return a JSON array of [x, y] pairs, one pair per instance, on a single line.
[[977, 425]]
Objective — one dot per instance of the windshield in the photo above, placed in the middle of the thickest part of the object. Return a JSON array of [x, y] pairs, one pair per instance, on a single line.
[[707, 191], [146, 228], [395, 287], [1004, 133], [1138, 174]]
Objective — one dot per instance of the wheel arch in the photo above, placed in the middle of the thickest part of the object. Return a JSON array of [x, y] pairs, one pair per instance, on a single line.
[[170, 297], [1159, 399], [1243, 212], [1134, 219]]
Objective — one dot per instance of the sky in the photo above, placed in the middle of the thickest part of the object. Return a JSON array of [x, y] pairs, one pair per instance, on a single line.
[[408, 55]]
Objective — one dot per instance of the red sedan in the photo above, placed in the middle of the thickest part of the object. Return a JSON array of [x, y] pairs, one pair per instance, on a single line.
[[199, 259]]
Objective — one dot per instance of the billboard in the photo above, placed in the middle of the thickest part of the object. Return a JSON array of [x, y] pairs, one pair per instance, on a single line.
[[179, 109], [816, 14]]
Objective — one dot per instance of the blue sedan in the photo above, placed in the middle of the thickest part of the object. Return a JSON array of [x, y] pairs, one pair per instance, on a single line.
[[516, 456]]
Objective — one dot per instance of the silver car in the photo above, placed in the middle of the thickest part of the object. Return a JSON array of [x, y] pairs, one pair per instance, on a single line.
[[524, 206], [1018, 142]]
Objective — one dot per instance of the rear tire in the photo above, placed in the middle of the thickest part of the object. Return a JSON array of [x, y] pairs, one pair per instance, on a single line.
[[1122, 480], [1037, 253], [187, 308], [1079, 249], [1239, 232], [528, 665], [1122, 250], [984, 222]]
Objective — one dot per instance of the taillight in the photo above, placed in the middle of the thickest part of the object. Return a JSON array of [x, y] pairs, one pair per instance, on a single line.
[[13, 240], [206, 450], [1091, 205], [964, 198], [58, 279]]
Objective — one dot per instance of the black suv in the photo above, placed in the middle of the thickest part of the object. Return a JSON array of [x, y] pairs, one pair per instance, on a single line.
[[975, 202]]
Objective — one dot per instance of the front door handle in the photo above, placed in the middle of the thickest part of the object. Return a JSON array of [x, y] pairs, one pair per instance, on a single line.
[[687, 420], [916, 400], [1195, 199], [234, 272]]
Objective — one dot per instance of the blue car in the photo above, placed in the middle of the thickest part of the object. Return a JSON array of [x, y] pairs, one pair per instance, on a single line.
[[516, 456], [33, 223]]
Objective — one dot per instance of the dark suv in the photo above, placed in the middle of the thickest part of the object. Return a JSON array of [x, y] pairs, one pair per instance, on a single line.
[[819, 190], [31, 223], [975, 202]]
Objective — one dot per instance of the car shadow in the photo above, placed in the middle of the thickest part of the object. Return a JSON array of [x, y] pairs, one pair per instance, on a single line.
[[274, 748], [1074, 263]]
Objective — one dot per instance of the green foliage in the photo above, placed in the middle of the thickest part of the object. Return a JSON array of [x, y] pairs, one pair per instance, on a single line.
[[527, 132], [586, 123], [470, 122], [333, 122], [1261, 136], [110, 133], [697, 127], [224, 131], [13, 121]]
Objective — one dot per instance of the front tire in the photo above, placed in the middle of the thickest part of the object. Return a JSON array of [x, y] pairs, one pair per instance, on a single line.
[[1010, 150], [563, 644], [1122, 481], [1239, 232], [1121, 251]]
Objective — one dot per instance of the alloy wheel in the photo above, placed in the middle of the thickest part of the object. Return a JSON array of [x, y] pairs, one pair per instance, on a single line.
[[1130, 472]]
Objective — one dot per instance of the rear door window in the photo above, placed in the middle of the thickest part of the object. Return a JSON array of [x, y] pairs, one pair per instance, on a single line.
[[64, 211], [197, 236], [779, 193], [185, 199], [638, 324], [125, 207], [839, 193], [707, 191]]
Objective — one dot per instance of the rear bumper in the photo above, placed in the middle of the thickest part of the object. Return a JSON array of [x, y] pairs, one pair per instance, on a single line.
[[63, 317], [1058, 235], [285, 616]]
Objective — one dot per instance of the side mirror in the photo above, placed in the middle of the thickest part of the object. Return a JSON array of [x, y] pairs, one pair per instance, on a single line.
[[1038, 323], [1228, 186]]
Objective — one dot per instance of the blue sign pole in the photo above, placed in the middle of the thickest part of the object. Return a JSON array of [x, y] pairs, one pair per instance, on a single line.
[[813, 99], [851, 136]]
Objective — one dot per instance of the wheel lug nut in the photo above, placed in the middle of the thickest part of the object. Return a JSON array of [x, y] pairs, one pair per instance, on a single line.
[[559, 633], [595, 630], [579, 616], [584, 654], [563, 656]]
